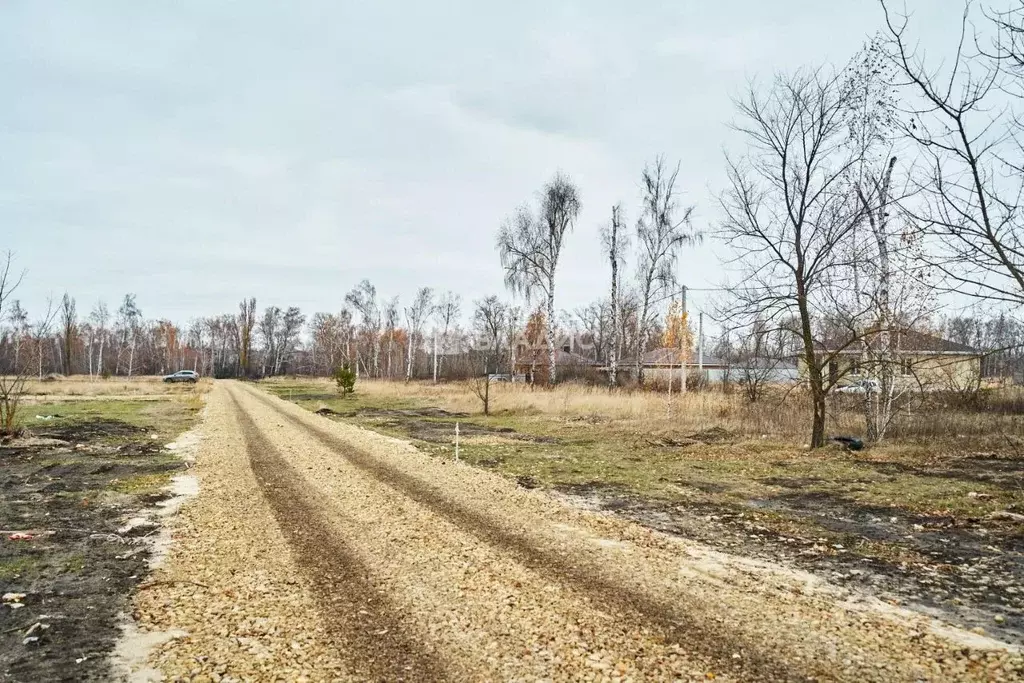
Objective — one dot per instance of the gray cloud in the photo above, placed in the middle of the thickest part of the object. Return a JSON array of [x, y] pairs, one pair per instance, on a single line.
[[196, 153]]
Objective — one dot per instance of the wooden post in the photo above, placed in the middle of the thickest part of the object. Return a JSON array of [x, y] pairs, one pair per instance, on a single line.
[[456, 442]]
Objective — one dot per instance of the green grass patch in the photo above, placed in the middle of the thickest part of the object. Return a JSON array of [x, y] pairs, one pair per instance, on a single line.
[[141, 484], [14, 567], [165, 419]]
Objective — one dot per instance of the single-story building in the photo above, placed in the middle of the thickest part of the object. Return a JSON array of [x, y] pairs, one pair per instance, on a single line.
[[766, 370], [533, 363], [662, 365], [924, 360]]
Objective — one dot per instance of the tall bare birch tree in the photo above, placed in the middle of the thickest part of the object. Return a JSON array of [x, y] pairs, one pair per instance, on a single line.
[[660, 233], [890, 294], [415, 316], [99, 317], [446, 313], [530, 245], [363, 298], [129, 321], [615, 242]]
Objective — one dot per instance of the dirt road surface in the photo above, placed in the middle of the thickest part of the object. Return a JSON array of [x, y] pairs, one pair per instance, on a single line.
[[318, 550]]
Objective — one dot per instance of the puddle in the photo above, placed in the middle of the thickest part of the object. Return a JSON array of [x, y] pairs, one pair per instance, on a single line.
[[133, 650]]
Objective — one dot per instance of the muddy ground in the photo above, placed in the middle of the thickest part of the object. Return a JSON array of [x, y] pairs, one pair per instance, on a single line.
[[967, 571], [423, 424], [71, 487]]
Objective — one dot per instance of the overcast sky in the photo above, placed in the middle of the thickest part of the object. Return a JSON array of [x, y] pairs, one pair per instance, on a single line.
[[198, 152]]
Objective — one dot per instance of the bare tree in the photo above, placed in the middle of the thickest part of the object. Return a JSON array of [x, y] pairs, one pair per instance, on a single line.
[[790, 208], [490, 319], [268, 330], [390, 326], [967, 131], [69, 331], [287, 337], [755, 355], [41, 333], [129, 320], [8, 281], [594, 321], [415, 316], [660, 233], [511, 334], [363, 298], [530, 247], [99, 317], [446, 313], [246, 323], [20, 327], [330, 335], [12, 383], [890, 292], [615, 242]]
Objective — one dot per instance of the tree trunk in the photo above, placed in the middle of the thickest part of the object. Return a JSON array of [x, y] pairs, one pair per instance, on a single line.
[[550, 333], [391, 350], [818, 424], [613, 356], [99, 360], [487, 394], [435, 356], [131, 358], [814, 376], [641, 342], [376, 355], [410, 355]]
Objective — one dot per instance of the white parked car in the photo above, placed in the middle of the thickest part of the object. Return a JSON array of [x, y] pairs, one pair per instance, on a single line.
[[861, 386]]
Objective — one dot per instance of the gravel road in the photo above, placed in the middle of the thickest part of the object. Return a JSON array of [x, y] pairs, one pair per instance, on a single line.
[[317, 550]]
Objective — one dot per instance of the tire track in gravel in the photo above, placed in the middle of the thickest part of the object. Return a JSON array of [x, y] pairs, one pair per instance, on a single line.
[[357, 613], [574, 574]]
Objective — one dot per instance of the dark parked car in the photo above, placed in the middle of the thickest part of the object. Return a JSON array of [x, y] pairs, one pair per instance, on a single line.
[[183, 376]]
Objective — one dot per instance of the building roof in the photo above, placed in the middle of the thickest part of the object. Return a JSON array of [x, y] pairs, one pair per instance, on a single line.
[[906, 341]]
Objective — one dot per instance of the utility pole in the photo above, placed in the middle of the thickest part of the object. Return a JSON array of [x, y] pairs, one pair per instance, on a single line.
[[682, 348], [700, 344]]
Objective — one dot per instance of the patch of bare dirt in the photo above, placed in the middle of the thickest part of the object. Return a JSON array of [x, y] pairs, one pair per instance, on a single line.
[[63, 547]]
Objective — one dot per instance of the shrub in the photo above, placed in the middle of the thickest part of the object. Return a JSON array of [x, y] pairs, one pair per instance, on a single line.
[[345, 378]]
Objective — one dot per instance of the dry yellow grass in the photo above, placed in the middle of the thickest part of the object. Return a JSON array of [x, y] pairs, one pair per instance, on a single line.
[[780, 416], [83, 387]]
